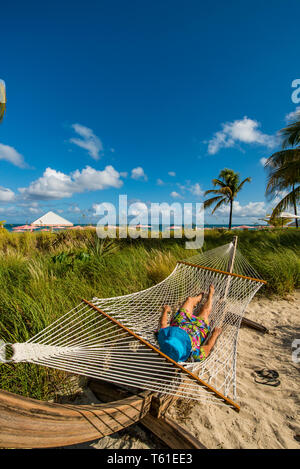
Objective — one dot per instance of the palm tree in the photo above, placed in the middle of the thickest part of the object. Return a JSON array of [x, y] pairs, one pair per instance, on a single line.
[[284, 171], [228, 185], [291, 135]]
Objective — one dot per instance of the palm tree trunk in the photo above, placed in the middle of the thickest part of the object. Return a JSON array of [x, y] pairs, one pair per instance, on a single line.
[[295, 206], [230, 215]]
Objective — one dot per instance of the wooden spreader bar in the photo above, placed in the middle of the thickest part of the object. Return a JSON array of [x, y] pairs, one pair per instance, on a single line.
[[222, 272], [191, 375]]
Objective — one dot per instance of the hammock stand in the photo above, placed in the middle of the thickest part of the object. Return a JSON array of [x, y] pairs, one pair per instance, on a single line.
[[103, 339]]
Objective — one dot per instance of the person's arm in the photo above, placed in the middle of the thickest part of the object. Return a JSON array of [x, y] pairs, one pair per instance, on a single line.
[[211, 341], [164, 316]]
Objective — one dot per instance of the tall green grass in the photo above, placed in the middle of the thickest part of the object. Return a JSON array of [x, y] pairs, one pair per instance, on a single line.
[[43, 275]]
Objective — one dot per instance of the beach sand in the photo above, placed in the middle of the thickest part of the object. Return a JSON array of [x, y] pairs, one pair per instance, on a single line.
[[269, 416]]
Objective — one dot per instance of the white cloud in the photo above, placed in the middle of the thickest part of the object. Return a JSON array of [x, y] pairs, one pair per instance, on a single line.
[[12, 156], [240, 131], [252, 209], [182, 187], [89, 141], [195, 189], [52, 185], [263, 161], [6, 195], [172, 173], [57, 185], [293, 116], [137, 209], [74, 209], [90, 179], [34, 210], [27, 206], [175, 195], [159, 182], [138, 173], [20, 211], [98, 208]]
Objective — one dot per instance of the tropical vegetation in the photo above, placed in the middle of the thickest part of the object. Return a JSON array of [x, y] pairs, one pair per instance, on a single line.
[[284, 171], [228, 186]]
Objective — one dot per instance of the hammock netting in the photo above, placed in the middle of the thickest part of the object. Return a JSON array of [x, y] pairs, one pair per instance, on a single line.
[[114, 339]]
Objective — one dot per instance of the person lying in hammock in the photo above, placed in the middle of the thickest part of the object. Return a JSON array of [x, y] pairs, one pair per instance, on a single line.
[[184, 337]]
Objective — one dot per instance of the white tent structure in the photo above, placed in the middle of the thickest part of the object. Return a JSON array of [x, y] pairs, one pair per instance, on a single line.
[[288, 215], [283, 215], [51, 219]]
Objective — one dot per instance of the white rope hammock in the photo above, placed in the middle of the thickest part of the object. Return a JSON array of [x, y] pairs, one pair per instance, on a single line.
[[114, 339]]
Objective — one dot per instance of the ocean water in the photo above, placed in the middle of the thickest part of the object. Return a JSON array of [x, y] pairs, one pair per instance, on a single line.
[[10, 227]]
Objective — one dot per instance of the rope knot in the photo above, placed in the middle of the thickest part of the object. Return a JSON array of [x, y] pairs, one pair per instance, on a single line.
[[3, 353]]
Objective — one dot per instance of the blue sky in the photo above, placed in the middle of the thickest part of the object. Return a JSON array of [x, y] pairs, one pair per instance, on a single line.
[[149, 99]]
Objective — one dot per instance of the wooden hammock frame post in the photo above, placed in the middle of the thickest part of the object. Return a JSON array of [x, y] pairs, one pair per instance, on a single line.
[[30, 423], [188, 373], [230, 270], [166, 429], [231, 263]]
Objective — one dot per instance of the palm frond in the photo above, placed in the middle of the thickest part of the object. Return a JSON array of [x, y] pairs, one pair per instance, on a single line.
[[282, 157], [2, 100], [291, 135], [283, 178], [212, 191], [284, 171], [208, 203], [227, 191], [219, 204], [218, 182], [223, 191], [2, 111], [287, 201]]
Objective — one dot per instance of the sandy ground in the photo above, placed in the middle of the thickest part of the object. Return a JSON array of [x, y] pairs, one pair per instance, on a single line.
[[269, 416]]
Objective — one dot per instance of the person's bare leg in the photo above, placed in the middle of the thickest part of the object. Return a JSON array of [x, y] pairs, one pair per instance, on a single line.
[[206, 308], [191, 302], [211, 341], [164, 316]]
